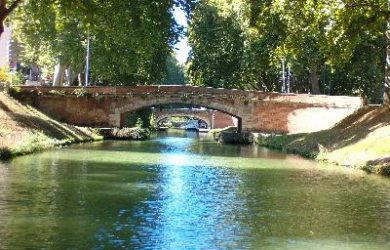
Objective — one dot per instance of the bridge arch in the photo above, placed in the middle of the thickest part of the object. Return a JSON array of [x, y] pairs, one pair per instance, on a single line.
[[202, 119], [123, 107]]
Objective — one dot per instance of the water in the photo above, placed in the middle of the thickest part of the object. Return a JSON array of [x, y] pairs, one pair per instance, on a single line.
[[187, 193]]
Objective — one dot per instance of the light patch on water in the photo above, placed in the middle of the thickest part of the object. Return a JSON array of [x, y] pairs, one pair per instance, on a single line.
[[182, 193]]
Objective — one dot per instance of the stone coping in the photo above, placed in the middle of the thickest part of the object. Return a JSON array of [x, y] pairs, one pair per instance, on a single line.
[[249, 96]]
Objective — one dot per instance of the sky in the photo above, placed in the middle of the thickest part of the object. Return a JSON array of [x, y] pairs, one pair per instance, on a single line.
[[182, 47]]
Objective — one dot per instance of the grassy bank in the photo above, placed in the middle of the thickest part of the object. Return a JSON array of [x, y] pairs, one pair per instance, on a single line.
[[24, 130], [360, 141]]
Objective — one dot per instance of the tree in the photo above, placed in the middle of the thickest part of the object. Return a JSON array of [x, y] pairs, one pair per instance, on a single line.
[[362, 23], [174, 72], [5, 10], [264, 34], [217, 45], [129, 46]]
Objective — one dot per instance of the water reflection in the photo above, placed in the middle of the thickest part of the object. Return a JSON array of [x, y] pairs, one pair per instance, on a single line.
[[184, 193]]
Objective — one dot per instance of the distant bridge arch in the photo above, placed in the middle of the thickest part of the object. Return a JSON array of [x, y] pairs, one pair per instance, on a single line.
[[213, 118]]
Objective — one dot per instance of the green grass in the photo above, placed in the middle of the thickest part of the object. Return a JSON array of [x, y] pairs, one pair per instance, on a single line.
[[24, 130], [361, 141], [33, 142]]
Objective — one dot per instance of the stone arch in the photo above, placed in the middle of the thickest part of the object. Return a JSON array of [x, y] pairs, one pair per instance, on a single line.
[[198, 117]]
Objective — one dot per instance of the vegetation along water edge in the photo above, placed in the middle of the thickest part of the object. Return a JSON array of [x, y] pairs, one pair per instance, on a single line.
[[361, 141], [23, 130]]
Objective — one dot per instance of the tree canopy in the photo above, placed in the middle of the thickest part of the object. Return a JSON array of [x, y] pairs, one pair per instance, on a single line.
[[6, 8], [325, 46], [130, 40], [330, 46]]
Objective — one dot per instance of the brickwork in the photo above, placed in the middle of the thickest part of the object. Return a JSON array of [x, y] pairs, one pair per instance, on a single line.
[[256, 111]]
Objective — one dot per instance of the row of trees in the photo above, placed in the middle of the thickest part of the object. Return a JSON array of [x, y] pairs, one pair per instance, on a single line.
[[330, 46], [130, 41]]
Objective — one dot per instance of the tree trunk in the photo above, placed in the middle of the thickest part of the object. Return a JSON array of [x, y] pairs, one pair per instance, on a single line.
[[4, 12], [70, 77], [315, 83], [59, 73], [81, 78], [386, 92], [1, 25]]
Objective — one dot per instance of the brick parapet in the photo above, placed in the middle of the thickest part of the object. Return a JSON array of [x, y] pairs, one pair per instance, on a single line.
[[246, 96]]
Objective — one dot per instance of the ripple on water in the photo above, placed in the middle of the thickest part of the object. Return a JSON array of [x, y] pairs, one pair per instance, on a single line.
[[184, 193]]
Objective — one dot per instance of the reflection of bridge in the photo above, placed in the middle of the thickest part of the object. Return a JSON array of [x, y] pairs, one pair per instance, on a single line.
[[256, 111], [213, 118]]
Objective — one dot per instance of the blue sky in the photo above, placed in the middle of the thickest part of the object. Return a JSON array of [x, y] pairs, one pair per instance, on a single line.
[[182, 48]]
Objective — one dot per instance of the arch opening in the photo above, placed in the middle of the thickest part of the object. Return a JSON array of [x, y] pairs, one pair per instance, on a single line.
[[182, 122], [205, 116]]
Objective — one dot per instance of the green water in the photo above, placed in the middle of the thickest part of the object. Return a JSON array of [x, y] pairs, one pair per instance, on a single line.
[[187, 193]]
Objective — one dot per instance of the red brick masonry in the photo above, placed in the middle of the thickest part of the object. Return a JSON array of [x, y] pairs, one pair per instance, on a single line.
[[257, 111]]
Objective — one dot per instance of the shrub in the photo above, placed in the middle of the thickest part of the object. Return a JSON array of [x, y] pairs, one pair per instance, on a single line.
[[136, 133], [4, 76], [17, 78], [80, 92]]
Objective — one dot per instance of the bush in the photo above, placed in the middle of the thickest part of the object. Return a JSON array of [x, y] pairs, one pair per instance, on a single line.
[[80, 92], [17, 78], [4, 76], [136, 133]]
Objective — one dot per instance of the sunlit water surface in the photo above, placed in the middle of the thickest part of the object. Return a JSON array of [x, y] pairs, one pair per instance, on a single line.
[[187, 193]]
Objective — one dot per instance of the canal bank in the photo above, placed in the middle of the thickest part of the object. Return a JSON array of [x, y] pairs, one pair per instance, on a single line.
[[25, 130], [360, 141]]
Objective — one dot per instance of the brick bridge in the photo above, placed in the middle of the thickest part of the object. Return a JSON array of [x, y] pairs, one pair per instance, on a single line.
[[213, 118], [256, 111]]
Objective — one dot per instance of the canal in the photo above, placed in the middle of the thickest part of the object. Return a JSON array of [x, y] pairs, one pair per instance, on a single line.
[[182, 191]]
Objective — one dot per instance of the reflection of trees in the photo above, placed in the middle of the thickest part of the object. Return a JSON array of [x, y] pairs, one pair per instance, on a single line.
[[180, 199], [309, 204], [55, 202]]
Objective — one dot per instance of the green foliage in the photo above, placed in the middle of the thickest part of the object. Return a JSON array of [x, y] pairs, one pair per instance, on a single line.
[[80, 92], [217, 45], [153, 122], [14, 91], [332, 47], [32, 143], [4, 75], [136, 133], [141, 118], [129, 46], [17, 78], [139, 123], [56, 92], [174, 72]]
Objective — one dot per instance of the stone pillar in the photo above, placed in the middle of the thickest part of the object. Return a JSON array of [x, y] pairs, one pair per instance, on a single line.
[[239, 125], [212, 120]]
